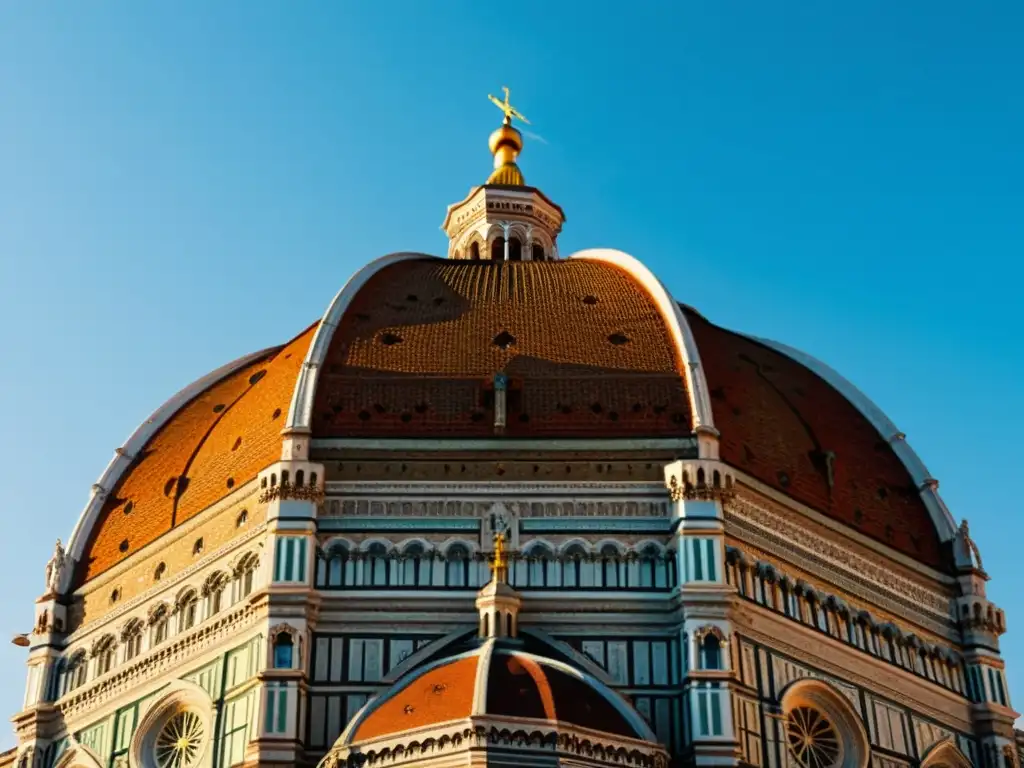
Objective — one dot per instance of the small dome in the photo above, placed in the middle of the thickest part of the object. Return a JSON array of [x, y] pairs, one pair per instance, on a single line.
[[497, 682]]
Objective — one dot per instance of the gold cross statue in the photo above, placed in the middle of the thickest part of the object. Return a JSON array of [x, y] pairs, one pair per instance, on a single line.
[[507, 108]]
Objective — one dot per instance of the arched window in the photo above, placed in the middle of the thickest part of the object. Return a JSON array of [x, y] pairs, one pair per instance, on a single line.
[[74, 672], [245, 575], [652, 568], [498, 249], [515, 249], [283, 651], [376, 573], [188, 609], [710, 652], [158, 620], [540, 562], [104, 655], [538, 252], [474, 251], [131, 639], [337, 567], [415, 566], [457, 567], [214, 592], [573, 564], [609, 566]]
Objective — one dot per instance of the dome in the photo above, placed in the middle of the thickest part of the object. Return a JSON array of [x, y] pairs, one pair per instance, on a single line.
[[584, 347], [590, 347], [212, 437], [501, 683]]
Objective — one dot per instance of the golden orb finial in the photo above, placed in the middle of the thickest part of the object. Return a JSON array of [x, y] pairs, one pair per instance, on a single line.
[[506, 143]]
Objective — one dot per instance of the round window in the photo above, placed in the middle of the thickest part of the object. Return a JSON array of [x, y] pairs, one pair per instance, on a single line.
[[813, 739], [179, 744]]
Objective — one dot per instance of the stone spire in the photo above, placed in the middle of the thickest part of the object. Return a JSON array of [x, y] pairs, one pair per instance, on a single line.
[[497, 603]]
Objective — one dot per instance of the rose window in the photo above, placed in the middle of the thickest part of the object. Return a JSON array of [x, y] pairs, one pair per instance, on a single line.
[[179, 743], [813, 740]]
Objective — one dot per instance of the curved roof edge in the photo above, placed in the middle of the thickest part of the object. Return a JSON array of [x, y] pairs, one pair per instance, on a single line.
[[125, 454], [696, 382], [300, 413], [483, 654], [927, 485], [400, 685], [629, 714]]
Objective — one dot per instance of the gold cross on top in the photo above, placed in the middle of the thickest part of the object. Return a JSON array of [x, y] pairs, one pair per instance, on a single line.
[[506, 107]]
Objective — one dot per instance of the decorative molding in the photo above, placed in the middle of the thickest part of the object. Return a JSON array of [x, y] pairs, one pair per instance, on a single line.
[[661, 525], [679, 492], [165, 659], [770, 574], [289, 491], [170, 584], [372, 524], [686, 446], [791, 540], [492, 489], [569, 506], [531, 739]]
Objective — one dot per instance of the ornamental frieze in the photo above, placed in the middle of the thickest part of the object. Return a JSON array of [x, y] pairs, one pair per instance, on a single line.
[[791, 540], [168, 658], [375, 507]]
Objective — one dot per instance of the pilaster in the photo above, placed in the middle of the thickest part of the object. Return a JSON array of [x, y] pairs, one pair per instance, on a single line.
[[292, 489], [698, 488]]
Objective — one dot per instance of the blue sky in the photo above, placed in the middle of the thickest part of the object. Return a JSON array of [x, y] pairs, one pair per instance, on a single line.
[[184, 183]]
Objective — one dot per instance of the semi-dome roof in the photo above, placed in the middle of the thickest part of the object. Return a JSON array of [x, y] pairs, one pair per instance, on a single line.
[[496, 681], [592, 346]]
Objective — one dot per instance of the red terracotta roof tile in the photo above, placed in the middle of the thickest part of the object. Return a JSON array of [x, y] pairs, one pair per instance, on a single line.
[[584, 346], [790, 429], [437, 696], [226, 434]]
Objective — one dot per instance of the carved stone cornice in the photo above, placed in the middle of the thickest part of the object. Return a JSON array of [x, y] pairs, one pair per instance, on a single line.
[[689, 492], [532, 739], [494, 490], [286, 491], [458, 506], [166, 658], [789, 539]]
